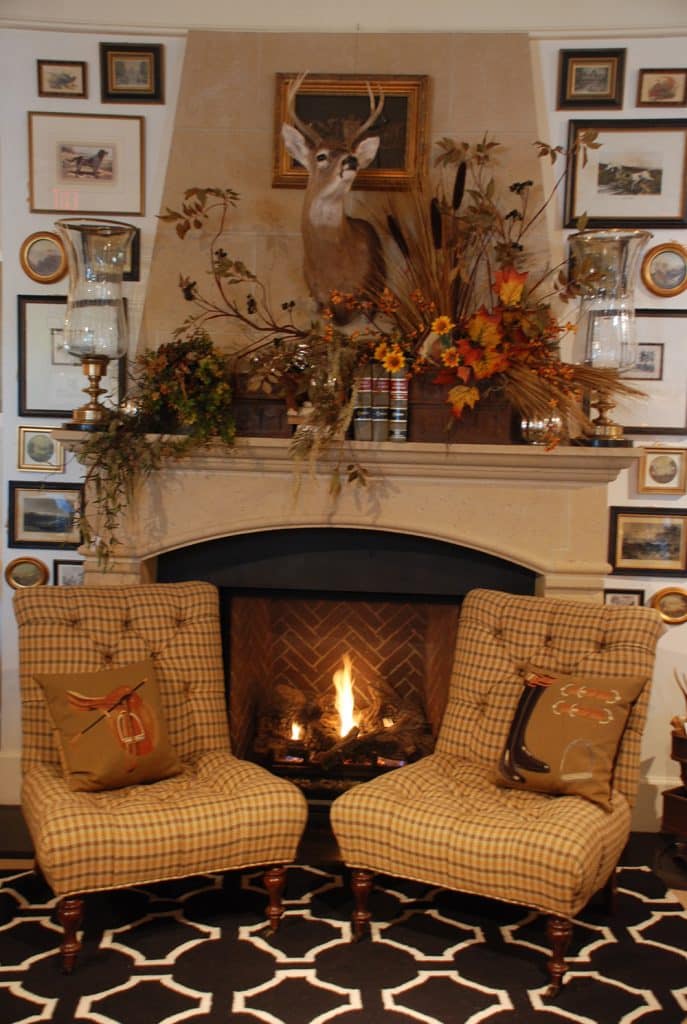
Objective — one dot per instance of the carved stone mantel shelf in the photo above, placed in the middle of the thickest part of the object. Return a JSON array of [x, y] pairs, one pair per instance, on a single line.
[[546, 510]]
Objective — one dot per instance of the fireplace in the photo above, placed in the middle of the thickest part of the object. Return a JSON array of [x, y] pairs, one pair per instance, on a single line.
[[304, 609]]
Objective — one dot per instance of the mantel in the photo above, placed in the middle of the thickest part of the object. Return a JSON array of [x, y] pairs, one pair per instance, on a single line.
[[545, 510]]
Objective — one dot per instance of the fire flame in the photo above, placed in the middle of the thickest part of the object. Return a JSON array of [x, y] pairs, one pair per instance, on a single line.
[[296, 731], [344, 703]]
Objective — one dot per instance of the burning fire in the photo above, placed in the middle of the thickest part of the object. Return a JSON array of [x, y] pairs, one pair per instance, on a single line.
[[344, 703], [296, 731]]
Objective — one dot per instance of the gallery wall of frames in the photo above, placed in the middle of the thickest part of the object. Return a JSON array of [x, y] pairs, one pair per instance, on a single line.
[[86, 128]]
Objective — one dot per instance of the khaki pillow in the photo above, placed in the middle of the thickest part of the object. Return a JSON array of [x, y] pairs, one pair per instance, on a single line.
[[110, 727], [565, 733]]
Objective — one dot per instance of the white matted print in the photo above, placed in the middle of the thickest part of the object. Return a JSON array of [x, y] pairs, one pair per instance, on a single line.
[[86, 163], [662, 471], [663, 410]]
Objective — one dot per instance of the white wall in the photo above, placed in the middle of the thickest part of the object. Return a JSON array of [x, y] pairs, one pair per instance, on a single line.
[[19, 50]]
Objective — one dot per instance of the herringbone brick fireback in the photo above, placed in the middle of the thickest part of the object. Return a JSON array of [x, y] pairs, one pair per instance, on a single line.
[[405, 645]]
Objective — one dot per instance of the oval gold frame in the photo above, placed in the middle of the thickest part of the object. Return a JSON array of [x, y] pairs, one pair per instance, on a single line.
[[24, 257], [660, 595], [36, 563], [676, 250]]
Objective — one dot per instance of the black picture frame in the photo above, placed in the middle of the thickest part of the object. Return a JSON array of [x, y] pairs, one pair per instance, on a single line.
[[623, 597], [67, 572], [66, 79], [591, 79], [132, 73], [636, 176], [43, 375], [647, 541], [44, 515]]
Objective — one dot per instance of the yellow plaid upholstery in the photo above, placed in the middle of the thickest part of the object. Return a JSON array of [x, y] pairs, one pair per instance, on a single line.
[[445, 821], [221, 813]]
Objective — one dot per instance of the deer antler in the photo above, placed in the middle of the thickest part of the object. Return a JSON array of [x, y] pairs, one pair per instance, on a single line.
[[291, 114], [376, 107]]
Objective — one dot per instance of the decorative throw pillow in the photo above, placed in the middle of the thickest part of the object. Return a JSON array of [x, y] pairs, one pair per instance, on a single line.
[[565, 733], [110, 727]]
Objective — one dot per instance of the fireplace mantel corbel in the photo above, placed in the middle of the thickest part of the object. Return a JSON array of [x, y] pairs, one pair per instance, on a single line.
[[545, 510]]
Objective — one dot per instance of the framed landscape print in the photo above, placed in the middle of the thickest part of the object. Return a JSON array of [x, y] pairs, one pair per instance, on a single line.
[[623, 598], [662, 87], [671, 604], [331, 104], [51, 381], [591, 79], [93, 163], [63, 78], [648, 541], [131, 73], [662, 471], [633, 177], [44, 515], [660, 373], [67, 573]]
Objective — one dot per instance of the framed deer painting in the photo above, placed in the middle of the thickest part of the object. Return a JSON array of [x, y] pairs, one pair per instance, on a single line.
[[336, 107]]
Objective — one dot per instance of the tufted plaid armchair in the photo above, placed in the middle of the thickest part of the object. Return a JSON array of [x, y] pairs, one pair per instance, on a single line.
[[446, 820], [218, 814]]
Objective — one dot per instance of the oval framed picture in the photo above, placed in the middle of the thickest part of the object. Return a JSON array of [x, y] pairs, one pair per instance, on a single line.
[[43, 258], [664, 269], [26, 572], [671, 604]]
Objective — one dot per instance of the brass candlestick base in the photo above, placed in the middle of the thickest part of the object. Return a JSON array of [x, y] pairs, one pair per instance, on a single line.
[[92, 415], [606, 433]]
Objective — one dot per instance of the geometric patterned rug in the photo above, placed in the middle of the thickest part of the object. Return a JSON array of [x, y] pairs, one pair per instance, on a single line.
[[198, 950]]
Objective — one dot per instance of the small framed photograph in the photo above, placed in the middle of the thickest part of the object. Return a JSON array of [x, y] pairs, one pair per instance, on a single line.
[[648, 541], [662, 471], [591, 79], [623, 598], [671, 604], [39, 451], [660, 374], [662, 87], [131, 73], [43, 258], [26, 572], [93, 163], [649, 363], [330, 104], [51, 381], [633, 177], [44, 515], [63, 78], [66, 573], [664, 269]]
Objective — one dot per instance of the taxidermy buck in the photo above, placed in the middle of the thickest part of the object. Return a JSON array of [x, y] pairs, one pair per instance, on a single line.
[[341, 253]]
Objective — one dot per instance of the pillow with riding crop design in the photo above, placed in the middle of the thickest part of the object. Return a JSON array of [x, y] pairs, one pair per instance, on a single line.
[[565, 733], [109, 727]]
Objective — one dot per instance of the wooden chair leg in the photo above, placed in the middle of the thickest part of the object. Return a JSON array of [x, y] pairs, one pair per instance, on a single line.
[[275, 882], [559, 933], [70, 916], [361, 886]]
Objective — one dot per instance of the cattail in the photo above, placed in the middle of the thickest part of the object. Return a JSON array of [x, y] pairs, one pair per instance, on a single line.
[[397, 235], [459, 185], [435, 222]]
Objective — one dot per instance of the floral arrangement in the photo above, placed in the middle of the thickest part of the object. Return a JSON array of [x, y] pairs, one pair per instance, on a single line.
[[463, 304]]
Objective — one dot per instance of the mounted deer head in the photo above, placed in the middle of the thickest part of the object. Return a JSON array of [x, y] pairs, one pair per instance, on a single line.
[[341, 253]]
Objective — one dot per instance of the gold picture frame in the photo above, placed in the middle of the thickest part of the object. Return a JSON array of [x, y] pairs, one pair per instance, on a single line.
[[43, 258], [664, 269], [38, 451], [25, 572], [662, 470], [326, 101], [671, 604]]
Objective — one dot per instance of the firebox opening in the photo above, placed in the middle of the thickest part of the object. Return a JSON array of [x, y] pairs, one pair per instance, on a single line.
[[301, 608]]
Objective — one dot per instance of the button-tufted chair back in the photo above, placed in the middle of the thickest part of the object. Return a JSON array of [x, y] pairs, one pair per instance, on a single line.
[[94, 628], [501, 634]]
